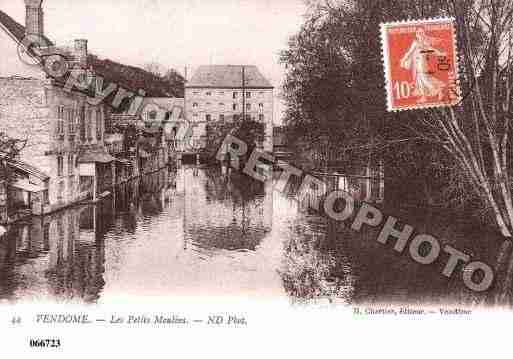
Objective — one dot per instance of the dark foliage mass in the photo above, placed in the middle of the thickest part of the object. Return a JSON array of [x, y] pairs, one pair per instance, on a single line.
[[336, 97], [249, 131], [454, 157], [134, 78]]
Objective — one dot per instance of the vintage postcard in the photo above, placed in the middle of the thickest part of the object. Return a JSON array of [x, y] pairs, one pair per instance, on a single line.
[[255, 178]]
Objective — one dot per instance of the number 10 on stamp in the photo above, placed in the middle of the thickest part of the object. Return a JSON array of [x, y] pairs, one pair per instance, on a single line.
[[421, 64]]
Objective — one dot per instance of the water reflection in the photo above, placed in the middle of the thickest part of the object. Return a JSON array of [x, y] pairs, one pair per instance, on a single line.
[[200, 231], [311, 270], [224, 212], [149, 238], [58, 256]]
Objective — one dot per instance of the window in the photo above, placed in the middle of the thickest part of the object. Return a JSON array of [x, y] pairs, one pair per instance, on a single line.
[[82, 78], [261, 106], [195, 93], [221, 93], [261, 118], [71, 165], [71, 120], [60, 197], [90, 124], [221, 117], [248, 94], [46, 228], [221, 104], [235, 95], [208, 104], [75, 119], [60, 127], [234, 107], [99, 124], [248, 106], [195, 105], [60, 120], [208, 117], [81, 119], [46, 200], [60, 166], [209, 93], [261, 93]]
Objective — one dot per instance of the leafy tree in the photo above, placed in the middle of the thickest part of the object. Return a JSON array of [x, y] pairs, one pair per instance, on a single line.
[[249, 131], [155, 68], [334, 89], [10, 149], [170, 75], [175, 79]]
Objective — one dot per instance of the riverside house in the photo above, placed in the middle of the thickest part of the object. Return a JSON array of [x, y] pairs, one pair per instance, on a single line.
[[65, 159]]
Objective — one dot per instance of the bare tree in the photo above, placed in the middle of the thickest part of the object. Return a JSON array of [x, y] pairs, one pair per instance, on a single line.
[[476, 132]]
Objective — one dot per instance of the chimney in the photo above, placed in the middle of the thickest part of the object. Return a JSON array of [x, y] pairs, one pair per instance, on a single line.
[[80, 52], [34, 18]]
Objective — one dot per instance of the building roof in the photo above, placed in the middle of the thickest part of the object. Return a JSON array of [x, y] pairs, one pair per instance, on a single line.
[[25, 185], [133, 78], [228, 76], [173, 106], [128, 77], [94, 154], [96, 157], [167, 103], [28, 169]]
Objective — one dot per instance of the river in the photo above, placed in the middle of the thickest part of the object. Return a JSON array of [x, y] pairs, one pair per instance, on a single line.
[[197, 232]]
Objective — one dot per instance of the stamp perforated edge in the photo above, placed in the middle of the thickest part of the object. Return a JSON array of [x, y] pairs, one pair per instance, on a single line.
[[386, 62]]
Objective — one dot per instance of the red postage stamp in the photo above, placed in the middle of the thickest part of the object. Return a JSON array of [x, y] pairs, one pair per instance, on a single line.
[[421, 64]]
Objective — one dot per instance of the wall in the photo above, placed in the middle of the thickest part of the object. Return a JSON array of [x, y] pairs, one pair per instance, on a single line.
[[221, 101], [24, 115], [64, 189], [3, 202], [11, 65], [29, 109]]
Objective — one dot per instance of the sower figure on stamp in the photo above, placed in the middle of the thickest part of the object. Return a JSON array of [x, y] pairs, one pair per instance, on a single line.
[[416, 59]]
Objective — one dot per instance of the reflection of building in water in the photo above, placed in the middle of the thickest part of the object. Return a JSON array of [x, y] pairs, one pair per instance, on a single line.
[[268, 208], [77, 256], [59, 255], [224, 212], [63, 256]]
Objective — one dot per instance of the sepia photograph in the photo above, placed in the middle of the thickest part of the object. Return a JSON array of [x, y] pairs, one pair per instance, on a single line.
[[176, 171]]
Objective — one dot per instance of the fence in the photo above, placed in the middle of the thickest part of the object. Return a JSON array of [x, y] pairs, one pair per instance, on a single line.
[[369, 188]]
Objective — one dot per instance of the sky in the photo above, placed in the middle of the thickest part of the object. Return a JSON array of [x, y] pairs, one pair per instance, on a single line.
[[176, 33]]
